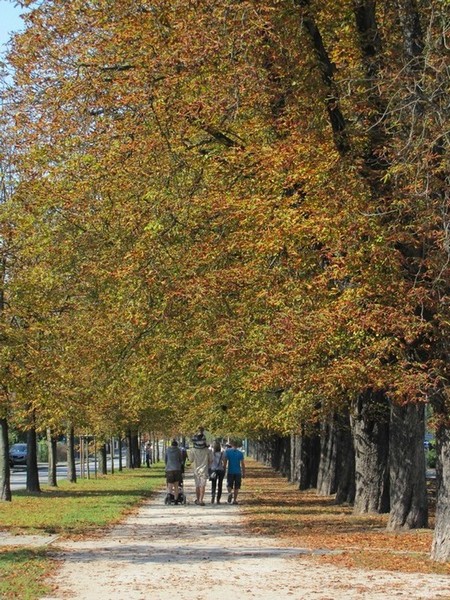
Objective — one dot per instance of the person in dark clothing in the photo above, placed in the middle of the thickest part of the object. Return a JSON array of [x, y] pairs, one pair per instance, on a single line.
[[217, 472], [148, 454], [174, 466]]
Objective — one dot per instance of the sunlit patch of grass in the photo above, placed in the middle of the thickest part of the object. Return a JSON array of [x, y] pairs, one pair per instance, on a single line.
[[304, 519], [79, 508], [71, 510], [22, 573]]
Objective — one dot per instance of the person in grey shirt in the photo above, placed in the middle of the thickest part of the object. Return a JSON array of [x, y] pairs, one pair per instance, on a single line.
[[174, 465]]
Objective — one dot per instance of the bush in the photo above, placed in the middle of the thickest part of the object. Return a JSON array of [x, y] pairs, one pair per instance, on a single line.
[[42, 451]]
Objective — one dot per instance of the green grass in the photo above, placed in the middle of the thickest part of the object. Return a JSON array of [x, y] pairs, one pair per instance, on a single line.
[[78, 508], [22, 573], [70, 510]]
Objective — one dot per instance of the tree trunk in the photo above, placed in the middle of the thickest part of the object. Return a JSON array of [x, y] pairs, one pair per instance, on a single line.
[[32, 467], [111, 452], [409, 508], [327, 473], [135, 451], [71, 467], [283, 453], [129, 457], [133, 454], [413, 44], [52, 459], [274, 451], [327, 70], [370, 425], [441, 542], [158, 453], [5, 474], [120, 453], [294, 475], [102, 460], [269, 450], [345, 493], [308, 460]]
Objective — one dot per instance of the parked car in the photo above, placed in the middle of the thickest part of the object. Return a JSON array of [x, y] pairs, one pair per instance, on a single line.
[[18, 454]]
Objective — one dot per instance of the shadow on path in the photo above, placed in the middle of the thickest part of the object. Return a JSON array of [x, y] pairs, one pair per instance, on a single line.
[[164, 552]]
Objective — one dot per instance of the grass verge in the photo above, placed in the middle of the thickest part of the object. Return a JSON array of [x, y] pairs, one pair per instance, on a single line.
[[70, 510], [303, 519], [23, 572]]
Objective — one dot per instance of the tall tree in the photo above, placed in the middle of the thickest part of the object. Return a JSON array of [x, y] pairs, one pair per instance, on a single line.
[[247, 202]]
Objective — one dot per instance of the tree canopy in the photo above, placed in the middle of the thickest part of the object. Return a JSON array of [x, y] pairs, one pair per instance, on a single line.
[[226, 211]]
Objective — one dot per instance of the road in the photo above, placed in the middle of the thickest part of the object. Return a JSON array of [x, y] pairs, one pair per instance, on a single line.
[[19, 473]]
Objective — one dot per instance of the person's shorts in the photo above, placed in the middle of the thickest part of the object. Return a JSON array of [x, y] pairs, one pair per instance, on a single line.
[[234, 481], [173, 476]]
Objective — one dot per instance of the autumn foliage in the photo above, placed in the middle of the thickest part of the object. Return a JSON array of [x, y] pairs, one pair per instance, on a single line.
[[235, 211]]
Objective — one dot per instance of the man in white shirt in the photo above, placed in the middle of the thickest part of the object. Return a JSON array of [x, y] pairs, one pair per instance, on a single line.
[[200, 458]]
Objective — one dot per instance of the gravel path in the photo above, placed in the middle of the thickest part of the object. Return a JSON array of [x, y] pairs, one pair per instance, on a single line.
[[187, 552]]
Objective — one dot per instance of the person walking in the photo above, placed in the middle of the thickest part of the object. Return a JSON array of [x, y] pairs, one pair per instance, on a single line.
[[234, 460], [200, 458], [217, 470], [148, 454], [174, 465]]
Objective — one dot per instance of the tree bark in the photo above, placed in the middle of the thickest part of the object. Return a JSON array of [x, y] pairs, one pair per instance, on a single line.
[[370, 425], [32, 467], [294, 474], [5, 473], [136, 451], [52, 459], [409, 507], [120, 453], [282, 453], [102, 460], [133, 454], [71, 467], [308, 460], [440, 550], [415, 59], [327, 473], [111, 452], [129, 457], [413, 44], [345, 492]]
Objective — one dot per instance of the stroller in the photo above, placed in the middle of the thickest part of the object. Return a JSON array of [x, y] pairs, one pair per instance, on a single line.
[[170, 498]]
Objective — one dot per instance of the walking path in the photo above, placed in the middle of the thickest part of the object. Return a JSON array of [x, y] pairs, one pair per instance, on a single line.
[[186, 552]]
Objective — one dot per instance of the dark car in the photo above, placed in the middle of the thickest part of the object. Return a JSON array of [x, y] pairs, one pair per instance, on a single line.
[[18, 454]]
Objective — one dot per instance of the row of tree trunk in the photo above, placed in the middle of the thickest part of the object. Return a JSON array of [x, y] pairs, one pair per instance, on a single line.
[[133, 459], [371, 457]]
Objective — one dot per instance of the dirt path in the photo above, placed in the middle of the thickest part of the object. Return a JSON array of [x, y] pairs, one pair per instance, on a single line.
[[188, 552]]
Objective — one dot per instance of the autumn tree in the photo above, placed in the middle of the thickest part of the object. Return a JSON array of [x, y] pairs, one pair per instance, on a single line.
[[252, 213]]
